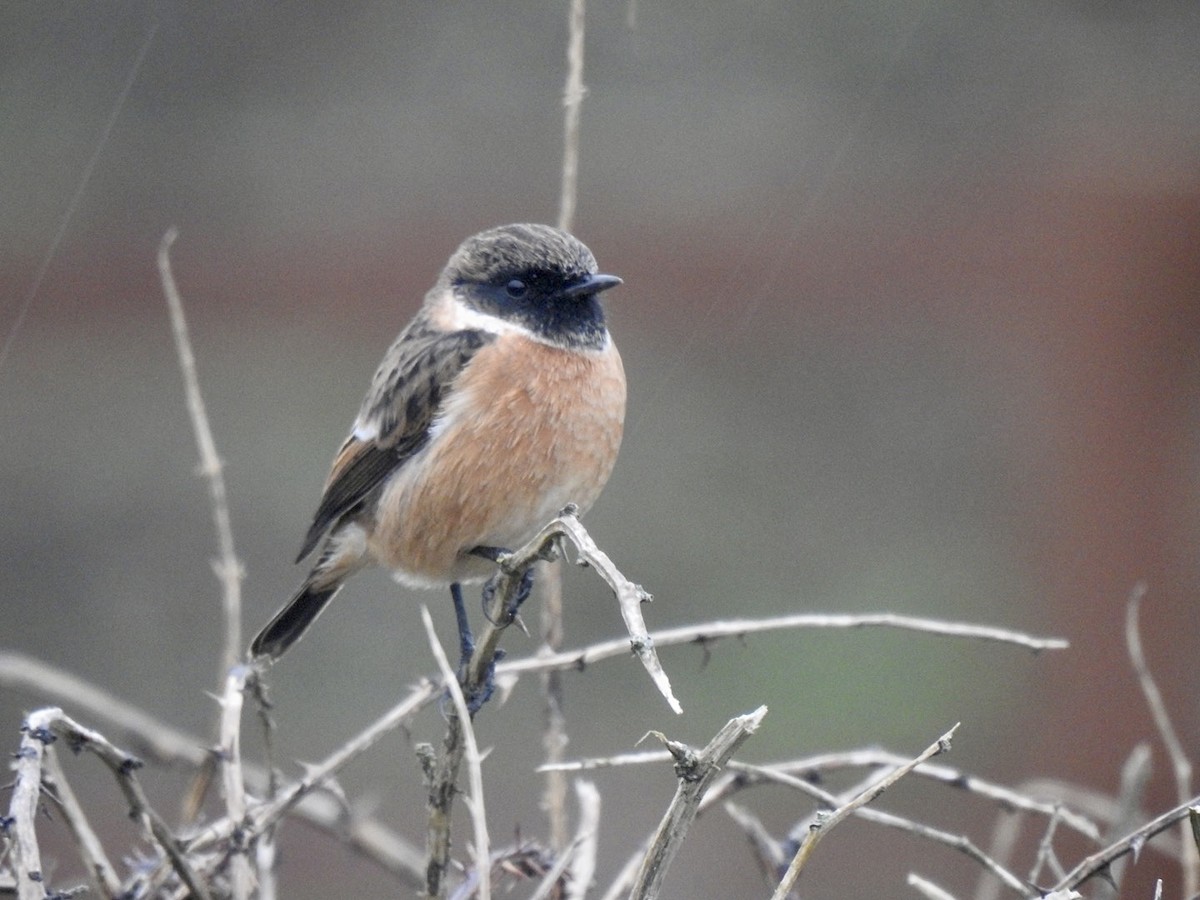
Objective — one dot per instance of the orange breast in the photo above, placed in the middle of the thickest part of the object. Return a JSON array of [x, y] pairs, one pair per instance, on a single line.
[[528, 428]]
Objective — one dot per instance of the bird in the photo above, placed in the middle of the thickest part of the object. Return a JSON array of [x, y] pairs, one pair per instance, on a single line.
[[501, 403]]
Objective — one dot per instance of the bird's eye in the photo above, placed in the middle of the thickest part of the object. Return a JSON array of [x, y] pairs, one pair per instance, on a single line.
[[516, 289]]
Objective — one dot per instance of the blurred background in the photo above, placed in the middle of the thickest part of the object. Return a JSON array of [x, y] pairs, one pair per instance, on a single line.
[[911, 320]]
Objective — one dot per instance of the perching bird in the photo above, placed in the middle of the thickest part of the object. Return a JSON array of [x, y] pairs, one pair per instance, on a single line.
[[500, 403]]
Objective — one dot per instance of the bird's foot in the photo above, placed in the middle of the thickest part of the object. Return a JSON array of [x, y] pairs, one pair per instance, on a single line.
[[479, 694], [509, 614]]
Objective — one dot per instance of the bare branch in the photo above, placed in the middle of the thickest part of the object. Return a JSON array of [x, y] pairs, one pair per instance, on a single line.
[[616, 761], [232, 780], [462, 722], [162, 743], [227, 566], [927, 889], [878, 817], [23, 808], [1046, 857], [586, 840], [743, 775], [317, 775], [48, 724], [630, 596], [1127, 814], [705, 633], [1180, 764], [957, 842], [573, 95], [554, 733], [1132, 842], [696, 771], [620, 885], [104, 876], [156, 740], [549, 884], [820, 828], [768, 852], [267, 813]]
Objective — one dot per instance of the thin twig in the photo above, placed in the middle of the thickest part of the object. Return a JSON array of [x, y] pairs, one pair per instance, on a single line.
[[768, 852], [234, 784], [822, 827], [705, 633], [23, 809], [616, 761], [621, 884], [586, 842], [462, 721], [1128, 814], [104, 876], [879, 817], [1097, 862], [1005, 832], [696, 772], [441, 773], [50, 723], [554, 733], [549, 580], [366, 835], [828, 803], [943, 774], [573, 95], [551, 881], [629, 596], [316, 775], [163, 743], [267, 813], [227, 566], [744, 775], [927, 889], [1046, 857], [1180, 764], [958, 842], [155, 739]]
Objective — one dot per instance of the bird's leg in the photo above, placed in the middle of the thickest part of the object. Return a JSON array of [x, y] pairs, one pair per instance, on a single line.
[[466, 641], [466, 647], [509, 613], [476, 698], [489, 588]]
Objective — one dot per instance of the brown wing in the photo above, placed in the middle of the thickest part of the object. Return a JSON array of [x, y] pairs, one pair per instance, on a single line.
[[405, 398]]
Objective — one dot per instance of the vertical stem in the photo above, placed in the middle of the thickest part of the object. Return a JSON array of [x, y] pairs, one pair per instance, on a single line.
[[573, 101], [227, 566], [549, 580], [554, 738]]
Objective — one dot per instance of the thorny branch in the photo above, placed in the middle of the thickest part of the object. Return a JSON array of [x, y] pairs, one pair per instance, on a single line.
[[820, 828], [544, 545], [227, 565], [696, 771]]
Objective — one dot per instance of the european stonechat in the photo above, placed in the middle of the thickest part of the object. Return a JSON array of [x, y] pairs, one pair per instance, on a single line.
[[499, 404]]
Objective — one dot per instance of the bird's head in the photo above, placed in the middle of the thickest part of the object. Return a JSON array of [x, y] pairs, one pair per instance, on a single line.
[[535, 277]]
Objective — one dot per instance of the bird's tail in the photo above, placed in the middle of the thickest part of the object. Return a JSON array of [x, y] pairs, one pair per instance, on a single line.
[[344, 554], [289, 624]]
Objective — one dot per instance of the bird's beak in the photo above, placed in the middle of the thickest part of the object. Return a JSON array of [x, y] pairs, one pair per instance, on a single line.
[[591, 284]]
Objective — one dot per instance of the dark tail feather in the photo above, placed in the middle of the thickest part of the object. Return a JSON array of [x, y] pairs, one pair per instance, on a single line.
[[289, 624]]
